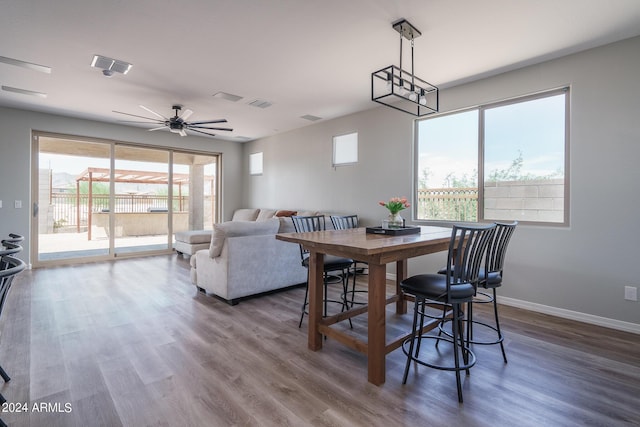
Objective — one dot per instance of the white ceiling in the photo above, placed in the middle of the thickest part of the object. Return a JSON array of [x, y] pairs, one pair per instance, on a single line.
[[305, 56]]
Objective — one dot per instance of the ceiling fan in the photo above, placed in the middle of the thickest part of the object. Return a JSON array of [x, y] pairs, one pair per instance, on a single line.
[[178, 123]]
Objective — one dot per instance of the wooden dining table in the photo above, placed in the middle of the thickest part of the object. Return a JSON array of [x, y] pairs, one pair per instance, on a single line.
[[377, 250]]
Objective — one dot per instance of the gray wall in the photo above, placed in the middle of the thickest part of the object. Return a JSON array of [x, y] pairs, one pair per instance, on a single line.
[[15, 158], [579, 271]]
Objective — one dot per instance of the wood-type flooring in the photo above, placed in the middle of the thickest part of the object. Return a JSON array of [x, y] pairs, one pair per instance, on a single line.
[[133, 343]]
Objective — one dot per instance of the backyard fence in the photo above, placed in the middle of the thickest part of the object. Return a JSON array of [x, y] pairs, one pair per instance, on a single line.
[[456, 204], [71, 210], [525, 200]]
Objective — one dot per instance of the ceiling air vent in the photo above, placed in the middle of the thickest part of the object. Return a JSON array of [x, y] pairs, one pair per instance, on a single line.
[[23, 64], [228, 96], [311, 118], [24, 91], [260, 103]]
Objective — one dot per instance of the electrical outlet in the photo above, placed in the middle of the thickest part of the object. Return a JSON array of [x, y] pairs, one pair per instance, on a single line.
[[631, 293], [18, 204], [0, 203]]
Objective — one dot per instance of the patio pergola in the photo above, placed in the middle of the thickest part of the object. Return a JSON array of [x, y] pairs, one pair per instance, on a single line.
[[92, 175]]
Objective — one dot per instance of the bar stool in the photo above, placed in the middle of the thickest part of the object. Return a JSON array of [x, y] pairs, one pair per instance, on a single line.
[[467, 249], [490, 277], [14, 238], [10, 268], [305, 224], [344, 222]]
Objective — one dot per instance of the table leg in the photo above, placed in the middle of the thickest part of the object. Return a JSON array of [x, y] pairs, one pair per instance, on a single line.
[[376, 351], [316, 278], [401, 274]]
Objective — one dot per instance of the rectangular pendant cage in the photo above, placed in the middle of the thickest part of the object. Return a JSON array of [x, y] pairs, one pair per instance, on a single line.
[[403, 91]]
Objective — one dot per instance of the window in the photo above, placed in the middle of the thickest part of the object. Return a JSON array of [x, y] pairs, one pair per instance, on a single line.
[[345, 149], [255, 163], [516, 149]]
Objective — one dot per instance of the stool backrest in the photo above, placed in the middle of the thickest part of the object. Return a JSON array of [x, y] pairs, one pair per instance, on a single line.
[[307, 224], [343, 222], [14, 238], [498, 246], [9, 248], [467, 250], [11, 267]]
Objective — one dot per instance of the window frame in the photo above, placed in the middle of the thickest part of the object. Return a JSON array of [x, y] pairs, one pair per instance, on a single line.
[[481, 109]]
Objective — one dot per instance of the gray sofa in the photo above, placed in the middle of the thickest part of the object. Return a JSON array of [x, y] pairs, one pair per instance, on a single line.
[[244, 257]]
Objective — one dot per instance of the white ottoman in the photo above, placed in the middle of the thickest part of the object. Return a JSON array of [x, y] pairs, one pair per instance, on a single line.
[[188, 242]]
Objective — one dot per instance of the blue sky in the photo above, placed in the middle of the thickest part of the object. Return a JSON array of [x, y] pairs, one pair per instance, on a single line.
[[534, 128]]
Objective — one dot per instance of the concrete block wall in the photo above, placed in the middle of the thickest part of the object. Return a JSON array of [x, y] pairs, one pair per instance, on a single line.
[[533, 200]]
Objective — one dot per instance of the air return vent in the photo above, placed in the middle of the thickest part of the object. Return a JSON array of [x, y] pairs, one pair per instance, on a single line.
[[311, 118], [24, 91], [260, 103], [228, 96]]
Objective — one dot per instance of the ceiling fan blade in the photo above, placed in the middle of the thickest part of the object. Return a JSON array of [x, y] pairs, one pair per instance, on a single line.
[[199, 131], [205, 127], [135, 121], [182, 132], [208, 122], [153, 112], [187, 113], [160, 128], [140, 117]]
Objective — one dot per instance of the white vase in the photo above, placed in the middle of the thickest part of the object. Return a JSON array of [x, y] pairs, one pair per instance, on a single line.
[[395, 221]]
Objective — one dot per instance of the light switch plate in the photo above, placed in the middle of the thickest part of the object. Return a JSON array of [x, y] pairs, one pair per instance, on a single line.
[[18, 204]]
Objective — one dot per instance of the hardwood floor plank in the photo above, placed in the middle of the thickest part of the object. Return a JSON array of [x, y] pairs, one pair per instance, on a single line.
[[133, 343], [96, 410]]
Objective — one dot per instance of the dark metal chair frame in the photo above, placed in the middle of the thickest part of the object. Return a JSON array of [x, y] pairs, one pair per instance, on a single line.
[[467, 249], [10, 268], [491, 278], [14, 238], [304, 224], [344, 222]]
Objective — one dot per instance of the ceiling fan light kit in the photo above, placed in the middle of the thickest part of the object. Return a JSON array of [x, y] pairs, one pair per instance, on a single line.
[[400, 89]]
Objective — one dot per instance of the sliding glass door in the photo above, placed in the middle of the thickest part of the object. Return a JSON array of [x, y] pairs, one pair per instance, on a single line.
[[63, 198], [141, 200], [195, 190], [102, 199]]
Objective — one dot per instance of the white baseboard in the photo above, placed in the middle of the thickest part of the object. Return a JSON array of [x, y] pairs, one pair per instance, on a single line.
[[566, 314], [572, 315]]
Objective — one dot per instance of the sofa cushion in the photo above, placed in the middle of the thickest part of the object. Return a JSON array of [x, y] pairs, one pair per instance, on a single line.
[[309, 213], [194, 236], [241, 228], [245, 215], [266, 214]]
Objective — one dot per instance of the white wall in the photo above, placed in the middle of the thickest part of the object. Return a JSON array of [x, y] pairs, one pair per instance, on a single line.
[[15, 161], [579, 271]]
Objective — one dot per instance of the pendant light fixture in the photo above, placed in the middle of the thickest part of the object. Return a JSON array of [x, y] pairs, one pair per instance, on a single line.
[[400, 89]]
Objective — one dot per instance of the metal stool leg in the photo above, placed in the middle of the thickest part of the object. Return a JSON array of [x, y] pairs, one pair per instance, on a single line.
[[4, 375]]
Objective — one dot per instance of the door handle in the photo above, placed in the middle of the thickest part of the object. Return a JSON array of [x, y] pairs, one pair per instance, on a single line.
[[35, 209]]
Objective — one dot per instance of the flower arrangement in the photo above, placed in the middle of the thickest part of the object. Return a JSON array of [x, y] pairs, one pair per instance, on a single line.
[[395, 204]]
